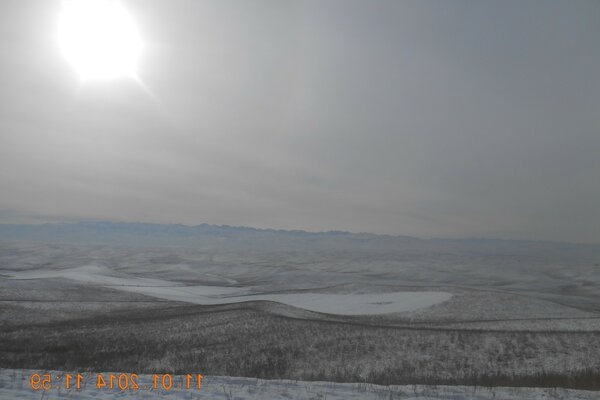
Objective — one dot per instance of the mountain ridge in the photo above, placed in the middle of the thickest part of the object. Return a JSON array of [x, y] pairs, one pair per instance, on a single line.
[[78, 230]]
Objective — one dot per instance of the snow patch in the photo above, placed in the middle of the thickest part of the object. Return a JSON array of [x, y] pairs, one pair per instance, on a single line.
[[329, 303]]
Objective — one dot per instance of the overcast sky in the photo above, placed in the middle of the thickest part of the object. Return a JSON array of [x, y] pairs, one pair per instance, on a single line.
[[438, 118]]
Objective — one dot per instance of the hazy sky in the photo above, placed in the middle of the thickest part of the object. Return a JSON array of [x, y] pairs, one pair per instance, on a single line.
[[438, 118]]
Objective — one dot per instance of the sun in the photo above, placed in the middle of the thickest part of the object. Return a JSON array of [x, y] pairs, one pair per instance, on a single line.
[[99, 39]]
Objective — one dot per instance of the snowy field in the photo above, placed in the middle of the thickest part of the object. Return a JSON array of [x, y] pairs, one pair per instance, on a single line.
[[92, 274], [340, 304], [198, 278], [14, 384], [329, 303], [451, 318]]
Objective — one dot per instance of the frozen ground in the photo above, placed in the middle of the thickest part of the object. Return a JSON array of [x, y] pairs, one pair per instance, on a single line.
[[330, 303], [568, 275], [340, 304], [383, 316], [437, 307], [92, 274], [14, 384], [334, 283]]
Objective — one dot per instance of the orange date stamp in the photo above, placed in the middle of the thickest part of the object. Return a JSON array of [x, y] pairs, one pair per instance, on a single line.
[[118, 381]]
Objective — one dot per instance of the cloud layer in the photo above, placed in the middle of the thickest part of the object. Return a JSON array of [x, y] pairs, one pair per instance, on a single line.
[[424, 118]]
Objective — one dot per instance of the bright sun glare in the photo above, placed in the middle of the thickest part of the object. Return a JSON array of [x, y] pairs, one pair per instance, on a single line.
[[99, 39]]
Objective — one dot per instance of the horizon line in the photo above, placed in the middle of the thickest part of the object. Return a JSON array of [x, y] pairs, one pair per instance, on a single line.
[[333, 231]]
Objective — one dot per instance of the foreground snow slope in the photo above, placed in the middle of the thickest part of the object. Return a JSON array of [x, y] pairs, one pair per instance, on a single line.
[[14, 384]]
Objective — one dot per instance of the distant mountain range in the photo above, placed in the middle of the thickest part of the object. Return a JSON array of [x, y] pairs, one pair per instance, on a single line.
[[177, 234], [217, 236]]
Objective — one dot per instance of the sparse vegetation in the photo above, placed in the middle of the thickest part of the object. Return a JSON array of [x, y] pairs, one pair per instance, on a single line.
[[241, 341], [480, 337]]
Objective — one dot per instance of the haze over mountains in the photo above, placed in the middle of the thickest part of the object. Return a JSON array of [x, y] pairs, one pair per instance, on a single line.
[[109, 233]]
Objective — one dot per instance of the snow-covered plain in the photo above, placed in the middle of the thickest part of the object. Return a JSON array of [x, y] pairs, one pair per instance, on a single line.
[[93, 274], [330, 303], [340, 304], [14, 384], [443, 291]]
